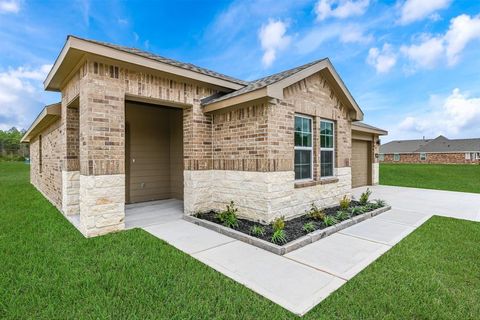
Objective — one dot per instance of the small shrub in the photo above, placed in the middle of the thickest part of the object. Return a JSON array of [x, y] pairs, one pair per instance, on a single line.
[[316, 213], [278, 224], [370, 206], [279, 237], [345, 203], [355, 211], [342, 215], [380, 203], [229, 217], [309, 227], [364, 197], [329, 221], [257, 230]]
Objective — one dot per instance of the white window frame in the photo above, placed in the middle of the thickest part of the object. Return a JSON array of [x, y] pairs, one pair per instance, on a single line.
[[478, 155], [381, 157], [467, 155], [320, 149], [423, 156], [303, 148], [396, 157]]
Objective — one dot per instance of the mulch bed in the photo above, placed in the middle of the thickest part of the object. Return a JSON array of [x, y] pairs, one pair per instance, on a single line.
[[293, 228]]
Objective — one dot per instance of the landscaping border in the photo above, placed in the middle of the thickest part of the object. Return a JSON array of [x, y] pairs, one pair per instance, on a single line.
[[291, 246]]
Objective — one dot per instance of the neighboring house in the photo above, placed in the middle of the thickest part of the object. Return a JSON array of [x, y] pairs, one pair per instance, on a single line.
[[133, 126], [438, 150]]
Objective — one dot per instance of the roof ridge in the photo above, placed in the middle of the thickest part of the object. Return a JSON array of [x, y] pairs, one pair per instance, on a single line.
[[177, 63]]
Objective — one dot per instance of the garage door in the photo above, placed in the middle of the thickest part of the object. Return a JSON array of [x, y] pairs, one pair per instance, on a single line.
[[360, 163]]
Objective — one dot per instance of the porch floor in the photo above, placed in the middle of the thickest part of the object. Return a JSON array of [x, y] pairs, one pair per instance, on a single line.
[[144, 214]]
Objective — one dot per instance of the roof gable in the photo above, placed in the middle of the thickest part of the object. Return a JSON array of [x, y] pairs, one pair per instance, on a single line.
[[272, 86]]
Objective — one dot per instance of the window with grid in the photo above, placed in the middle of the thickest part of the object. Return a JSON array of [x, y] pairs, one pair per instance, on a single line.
[[327, 148], [303, 148]]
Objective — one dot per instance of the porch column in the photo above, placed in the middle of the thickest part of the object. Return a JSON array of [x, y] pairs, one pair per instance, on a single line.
[[102, 154], [71, 164]]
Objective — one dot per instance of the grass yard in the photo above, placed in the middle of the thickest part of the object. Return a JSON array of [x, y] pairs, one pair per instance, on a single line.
[[48, 270], [452, 177]]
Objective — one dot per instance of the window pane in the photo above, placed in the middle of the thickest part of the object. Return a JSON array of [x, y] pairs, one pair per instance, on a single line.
[[326, 163], [298, 139], [307, 125], [303, 164], [298, 124], [307, 140]]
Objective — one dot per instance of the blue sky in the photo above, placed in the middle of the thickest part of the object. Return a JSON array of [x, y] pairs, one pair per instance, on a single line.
[[412, 65]]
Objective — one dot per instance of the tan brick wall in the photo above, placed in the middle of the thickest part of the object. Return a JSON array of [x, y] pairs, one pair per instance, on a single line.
[[433, 158], [315, 97], [49, 180]]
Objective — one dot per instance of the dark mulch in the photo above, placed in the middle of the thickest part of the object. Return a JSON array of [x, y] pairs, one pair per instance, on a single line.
[[293, 228]]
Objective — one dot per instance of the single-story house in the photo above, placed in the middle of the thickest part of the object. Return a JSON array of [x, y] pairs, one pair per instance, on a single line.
[[133, 126], [439, 150]]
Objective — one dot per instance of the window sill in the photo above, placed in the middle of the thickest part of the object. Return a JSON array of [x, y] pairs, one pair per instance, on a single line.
[[311, 183]]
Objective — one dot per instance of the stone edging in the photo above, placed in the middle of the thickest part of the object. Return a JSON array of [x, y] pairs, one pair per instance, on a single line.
[[291, 246]]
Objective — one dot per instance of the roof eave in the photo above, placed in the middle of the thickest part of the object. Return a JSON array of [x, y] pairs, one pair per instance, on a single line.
[[249, 96], [74, 48], [47, 116], [379, 132]]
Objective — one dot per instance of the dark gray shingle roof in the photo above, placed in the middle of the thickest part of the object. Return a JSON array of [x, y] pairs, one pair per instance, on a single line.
[[183, 65], [439, 144], [442, 144], [261, 83], [402, 146]]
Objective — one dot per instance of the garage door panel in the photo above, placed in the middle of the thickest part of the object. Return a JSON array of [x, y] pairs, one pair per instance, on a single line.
[[360, 163]]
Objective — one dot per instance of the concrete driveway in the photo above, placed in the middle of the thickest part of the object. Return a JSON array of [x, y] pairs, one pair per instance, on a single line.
[[459, 205], [309, 274]]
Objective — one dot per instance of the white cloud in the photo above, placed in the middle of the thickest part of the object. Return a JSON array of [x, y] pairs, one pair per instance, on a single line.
[[273, 38], [425, 54], [350, 33], [340, 8], [463, 29], [382, 59], [9, 6], [21, 93], [415, 10], [431, 50], [457, 116], [354, 34]]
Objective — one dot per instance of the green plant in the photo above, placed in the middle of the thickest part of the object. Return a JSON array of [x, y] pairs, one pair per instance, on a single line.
[[355, 211], [316, 213], [309, 227], [229, 217], [279, 237], [278, 224], [364, 197], [345, 203], [380, 203], [342, 215], [329, 221], [257, 230]]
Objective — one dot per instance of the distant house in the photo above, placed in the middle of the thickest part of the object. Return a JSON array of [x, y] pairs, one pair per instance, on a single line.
[[438, 150]]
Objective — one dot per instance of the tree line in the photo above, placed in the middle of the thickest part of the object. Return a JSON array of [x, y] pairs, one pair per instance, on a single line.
[[10, 146]]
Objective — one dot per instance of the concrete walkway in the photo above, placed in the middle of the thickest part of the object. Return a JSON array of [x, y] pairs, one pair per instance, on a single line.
[[301, 279]]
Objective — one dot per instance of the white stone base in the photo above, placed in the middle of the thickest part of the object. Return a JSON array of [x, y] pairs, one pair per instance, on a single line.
[[260, 196], [102, 204], [70, 193], [375, 173]]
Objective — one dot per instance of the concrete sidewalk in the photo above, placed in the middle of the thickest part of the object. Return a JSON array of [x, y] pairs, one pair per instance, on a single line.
[[301, 279]]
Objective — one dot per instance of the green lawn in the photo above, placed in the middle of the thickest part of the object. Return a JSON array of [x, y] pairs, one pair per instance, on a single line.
[[453, 177], [48, 270]]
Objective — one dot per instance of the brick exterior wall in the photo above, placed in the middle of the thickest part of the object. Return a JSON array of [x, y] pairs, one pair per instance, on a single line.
[[48, 179], [432, 158], [255, 137]]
